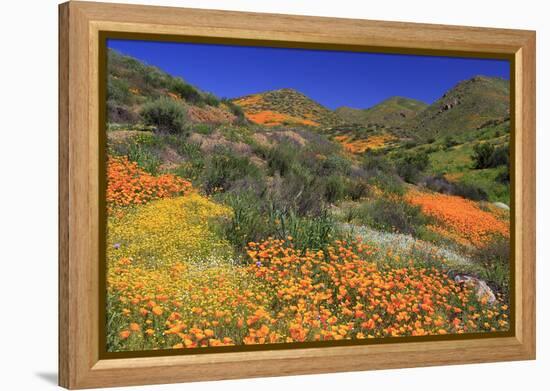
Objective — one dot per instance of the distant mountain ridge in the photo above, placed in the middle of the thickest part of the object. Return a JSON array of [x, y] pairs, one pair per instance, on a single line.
[[468, 106], [465, 107], [286, 106], [391, 112]]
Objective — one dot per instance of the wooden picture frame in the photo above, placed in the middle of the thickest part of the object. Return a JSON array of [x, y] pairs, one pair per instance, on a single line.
[[80, 27]]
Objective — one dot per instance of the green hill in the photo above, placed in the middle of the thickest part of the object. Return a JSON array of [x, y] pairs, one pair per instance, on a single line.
[[469, 105], [131, 85], [391, 112]]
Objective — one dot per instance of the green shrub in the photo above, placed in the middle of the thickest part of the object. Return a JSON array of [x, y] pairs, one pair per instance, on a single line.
[[411, 165], [154, 77], [357, 189], [494, 263], [118, 90], [205, 129], [300, 191], [281, 158], [235, 109], [467, 190], [487, 155], [144, 149], [223, 168], [165, 114], [248, 222], [193, 166], [388, 183], [307, 232], [334, 188], [449, 142], [211, 100], [336, 164], [373, 162], [392, 215], [410, 144], [254, 220], [471, 191], [503, 176], [186, 91]]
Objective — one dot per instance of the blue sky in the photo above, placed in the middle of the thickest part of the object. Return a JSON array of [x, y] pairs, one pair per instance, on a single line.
[[332, 78]]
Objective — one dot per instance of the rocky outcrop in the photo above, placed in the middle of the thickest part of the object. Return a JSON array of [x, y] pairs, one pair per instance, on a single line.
[[481, 288]]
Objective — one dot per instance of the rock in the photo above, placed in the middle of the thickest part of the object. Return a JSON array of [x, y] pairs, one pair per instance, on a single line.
[[501, 205], [481, 288]]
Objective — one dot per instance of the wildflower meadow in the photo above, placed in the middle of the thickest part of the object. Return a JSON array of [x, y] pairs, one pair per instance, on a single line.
[[272, 219]]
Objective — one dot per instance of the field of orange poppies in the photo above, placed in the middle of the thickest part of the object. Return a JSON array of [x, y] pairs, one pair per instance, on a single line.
[[174, 282]]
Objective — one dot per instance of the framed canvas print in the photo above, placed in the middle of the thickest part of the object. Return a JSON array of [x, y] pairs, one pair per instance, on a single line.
[[249, 195]]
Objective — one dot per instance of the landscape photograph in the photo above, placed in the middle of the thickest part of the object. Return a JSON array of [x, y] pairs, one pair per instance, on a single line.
[[268, 196]]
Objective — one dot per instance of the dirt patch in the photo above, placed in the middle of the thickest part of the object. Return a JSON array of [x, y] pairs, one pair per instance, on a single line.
[[122, 135], [170, 159], [210, 115], [216, 140]]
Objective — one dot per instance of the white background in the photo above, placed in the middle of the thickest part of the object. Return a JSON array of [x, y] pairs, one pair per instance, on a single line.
[[28, 192]]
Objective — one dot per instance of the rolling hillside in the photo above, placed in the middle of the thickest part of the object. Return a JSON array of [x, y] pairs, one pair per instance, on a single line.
[[389, 113], [131, 85], [468, 106], [286, 107]]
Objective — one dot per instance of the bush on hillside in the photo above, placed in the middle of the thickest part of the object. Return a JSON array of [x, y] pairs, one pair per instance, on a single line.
[[334, 188], [235, 109], [487, 155], [281, 157], [411, 165], [185, 91], [392, 215], [223, 169], [165, 114], [449, 142], [440, 184], [118, 90]]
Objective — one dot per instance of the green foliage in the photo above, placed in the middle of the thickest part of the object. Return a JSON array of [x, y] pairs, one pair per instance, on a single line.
[[411, 165], [118, 90], [503, 176], [494, 263], [468, 106], [254, 219], [223, 168], [336, 164], [281, 157], [203, 128], [487, 155], [357, 189], [392, 215], [186, 91], [143, 149], [467, 190], [308, 233], [235, 109], [211, 100], [193, 166], [334, 188], [449, 142], [392, 112], [165, 114]]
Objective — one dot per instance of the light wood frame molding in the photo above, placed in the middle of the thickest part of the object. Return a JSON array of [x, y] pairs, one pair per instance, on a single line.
[[79, 27]]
